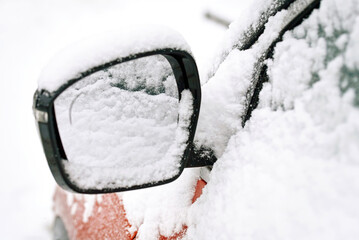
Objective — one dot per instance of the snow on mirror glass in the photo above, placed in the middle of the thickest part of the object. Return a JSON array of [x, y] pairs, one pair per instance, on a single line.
[[120, 127]]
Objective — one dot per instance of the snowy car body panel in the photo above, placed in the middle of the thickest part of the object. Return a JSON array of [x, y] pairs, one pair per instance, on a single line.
[[101, 217], [131, 233]]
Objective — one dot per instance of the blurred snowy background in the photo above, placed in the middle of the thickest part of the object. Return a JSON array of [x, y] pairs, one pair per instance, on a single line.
[[31, 32]]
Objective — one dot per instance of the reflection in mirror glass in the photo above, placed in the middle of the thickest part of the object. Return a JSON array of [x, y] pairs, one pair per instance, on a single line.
[[119, 126]]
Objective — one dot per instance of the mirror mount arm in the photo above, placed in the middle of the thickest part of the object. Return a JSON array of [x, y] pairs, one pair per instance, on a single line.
[[201, 157]]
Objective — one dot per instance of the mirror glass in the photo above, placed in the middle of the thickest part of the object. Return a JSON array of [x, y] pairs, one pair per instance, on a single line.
[[120, 127]]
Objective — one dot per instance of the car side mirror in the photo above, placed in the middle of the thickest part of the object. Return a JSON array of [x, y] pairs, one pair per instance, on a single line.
[[123, 123]]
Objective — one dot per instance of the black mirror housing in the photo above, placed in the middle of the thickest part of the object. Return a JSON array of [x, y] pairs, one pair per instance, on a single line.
[[186, 75]]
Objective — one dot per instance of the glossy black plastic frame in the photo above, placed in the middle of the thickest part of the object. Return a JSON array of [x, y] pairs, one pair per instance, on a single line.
[[187, 78]]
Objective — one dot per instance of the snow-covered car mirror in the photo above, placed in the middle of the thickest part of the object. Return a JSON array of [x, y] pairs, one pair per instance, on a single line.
[[120, 122]]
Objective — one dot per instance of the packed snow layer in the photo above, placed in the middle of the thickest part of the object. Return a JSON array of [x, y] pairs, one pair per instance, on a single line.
[[225, 99], [292, 172], [124, 126], [100, 49], [161, 210], [253, 16]]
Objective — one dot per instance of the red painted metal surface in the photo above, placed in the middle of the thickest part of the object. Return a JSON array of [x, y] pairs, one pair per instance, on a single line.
[[107, 219], [199, 187]]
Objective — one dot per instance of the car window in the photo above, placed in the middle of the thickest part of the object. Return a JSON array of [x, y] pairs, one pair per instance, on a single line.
[[322, 49], [246, 29], [232, 93]]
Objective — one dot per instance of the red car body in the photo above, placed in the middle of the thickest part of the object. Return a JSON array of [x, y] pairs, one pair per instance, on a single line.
[[107, 219]]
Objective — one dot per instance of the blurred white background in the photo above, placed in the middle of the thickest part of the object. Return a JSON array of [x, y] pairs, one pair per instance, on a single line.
[[31, 32]]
